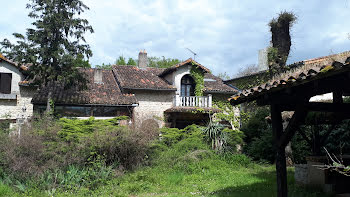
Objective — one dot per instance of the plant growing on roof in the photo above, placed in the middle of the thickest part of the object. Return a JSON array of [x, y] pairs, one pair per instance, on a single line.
[[198, 77], [54, 44]]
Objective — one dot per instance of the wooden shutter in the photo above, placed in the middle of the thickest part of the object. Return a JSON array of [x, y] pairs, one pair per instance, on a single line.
[[5, 83]]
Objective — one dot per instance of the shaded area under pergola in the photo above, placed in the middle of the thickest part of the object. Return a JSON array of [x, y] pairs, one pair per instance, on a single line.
[[292, 92]]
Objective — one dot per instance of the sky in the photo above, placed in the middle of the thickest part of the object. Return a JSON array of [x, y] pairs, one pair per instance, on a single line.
[[225, 35]]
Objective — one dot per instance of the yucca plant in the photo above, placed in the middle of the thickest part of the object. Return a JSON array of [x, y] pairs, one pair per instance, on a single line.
[[215, 134]]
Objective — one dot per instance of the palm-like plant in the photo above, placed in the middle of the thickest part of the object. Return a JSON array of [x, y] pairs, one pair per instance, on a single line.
[[214, 132]]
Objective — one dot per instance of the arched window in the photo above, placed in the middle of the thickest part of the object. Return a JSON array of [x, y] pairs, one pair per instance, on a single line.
[[187, 86]]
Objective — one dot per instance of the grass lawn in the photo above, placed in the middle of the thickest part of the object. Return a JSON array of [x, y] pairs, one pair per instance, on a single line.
[[198, 173], [187, 168], [229, 181]]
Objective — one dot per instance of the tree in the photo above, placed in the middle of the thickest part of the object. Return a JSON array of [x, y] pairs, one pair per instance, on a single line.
[[54, 44], [104, 66], [131, 62], [224, 76], [120, 61], [281, 41], [248, 70], [162, 62], [81, 62]]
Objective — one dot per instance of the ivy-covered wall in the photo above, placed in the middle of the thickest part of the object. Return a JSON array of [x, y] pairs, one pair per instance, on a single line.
[[229, 113], [198, 77], [250, 81]]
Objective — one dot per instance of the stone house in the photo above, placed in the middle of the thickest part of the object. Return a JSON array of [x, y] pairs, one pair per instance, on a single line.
[[157, 96], [15, 94]]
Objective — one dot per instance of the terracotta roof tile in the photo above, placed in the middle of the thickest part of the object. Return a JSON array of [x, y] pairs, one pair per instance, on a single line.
[[312, 70], [186, 62], [106, 93], [132, 77], [213, 84], [21, 67]]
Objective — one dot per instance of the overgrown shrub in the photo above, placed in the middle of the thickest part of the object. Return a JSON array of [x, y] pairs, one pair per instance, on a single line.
[[71, 153], [258, 136], [261, 148], [338, 142], [170, 136]]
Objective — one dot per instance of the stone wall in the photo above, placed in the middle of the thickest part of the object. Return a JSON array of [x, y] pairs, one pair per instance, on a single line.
[[16, 75], [11, 109], [152, 105]]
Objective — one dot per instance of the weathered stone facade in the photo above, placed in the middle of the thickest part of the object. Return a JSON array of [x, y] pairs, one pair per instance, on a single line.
[[17, 104], [152, 105]]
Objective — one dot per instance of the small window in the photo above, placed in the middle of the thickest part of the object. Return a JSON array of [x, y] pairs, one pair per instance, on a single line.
[[5, 83], [187, 86]]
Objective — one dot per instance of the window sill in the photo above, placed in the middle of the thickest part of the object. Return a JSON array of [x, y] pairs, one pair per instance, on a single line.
[[8, 96]]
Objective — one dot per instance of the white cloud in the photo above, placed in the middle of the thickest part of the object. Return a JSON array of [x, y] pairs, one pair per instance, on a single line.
[[226, 35]]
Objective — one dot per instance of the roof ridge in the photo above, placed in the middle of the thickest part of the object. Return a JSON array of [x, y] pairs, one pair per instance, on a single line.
[[327, 56]]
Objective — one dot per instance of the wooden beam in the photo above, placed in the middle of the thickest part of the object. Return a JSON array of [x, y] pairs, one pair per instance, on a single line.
[[302, 133], [293, 125], [337, 97], [318, 106], [281, 169]]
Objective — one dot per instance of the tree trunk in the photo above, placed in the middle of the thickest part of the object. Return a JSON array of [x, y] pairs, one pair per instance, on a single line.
[[48, 102]]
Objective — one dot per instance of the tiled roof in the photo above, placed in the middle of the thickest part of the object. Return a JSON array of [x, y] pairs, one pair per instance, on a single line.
[[313, 69], [132, 77], [21, 67], [188, 61], [310, 62], [106, 93], [213, 84], [193, 110]]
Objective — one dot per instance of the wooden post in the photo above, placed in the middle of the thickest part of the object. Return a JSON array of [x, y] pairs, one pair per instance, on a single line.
[[337, 97], [281, 169]]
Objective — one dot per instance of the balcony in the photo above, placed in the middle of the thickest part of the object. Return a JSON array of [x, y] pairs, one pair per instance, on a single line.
[[193, 101]]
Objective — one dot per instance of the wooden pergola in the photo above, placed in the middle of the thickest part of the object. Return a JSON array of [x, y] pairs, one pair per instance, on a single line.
[[292, 92]]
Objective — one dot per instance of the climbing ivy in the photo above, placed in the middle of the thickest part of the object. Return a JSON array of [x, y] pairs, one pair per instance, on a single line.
[[227, 111], [272, 54], [198, 77]]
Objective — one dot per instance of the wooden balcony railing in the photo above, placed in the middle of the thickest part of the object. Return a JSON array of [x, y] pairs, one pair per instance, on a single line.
[[193, 101]]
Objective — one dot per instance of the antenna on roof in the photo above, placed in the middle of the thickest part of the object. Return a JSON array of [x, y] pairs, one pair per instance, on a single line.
[[194, 54]]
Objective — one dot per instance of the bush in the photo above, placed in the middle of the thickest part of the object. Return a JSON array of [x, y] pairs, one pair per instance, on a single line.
[[261, 148], [258, 136], [71, 153], [170, 136], [338, 142], [119, 146]]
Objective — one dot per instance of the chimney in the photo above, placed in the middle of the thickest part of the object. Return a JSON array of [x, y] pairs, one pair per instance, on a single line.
[[143, 60], [262, 59], [98, 76]]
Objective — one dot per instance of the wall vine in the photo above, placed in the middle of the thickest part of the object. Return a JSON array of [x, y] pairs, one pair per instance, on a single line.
[[228, 111], [198, 77]]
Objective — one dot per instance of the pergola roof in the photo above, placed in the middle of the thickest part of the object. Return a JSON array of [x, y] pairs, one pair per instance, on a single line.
[[291, 91], [292, 80]]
